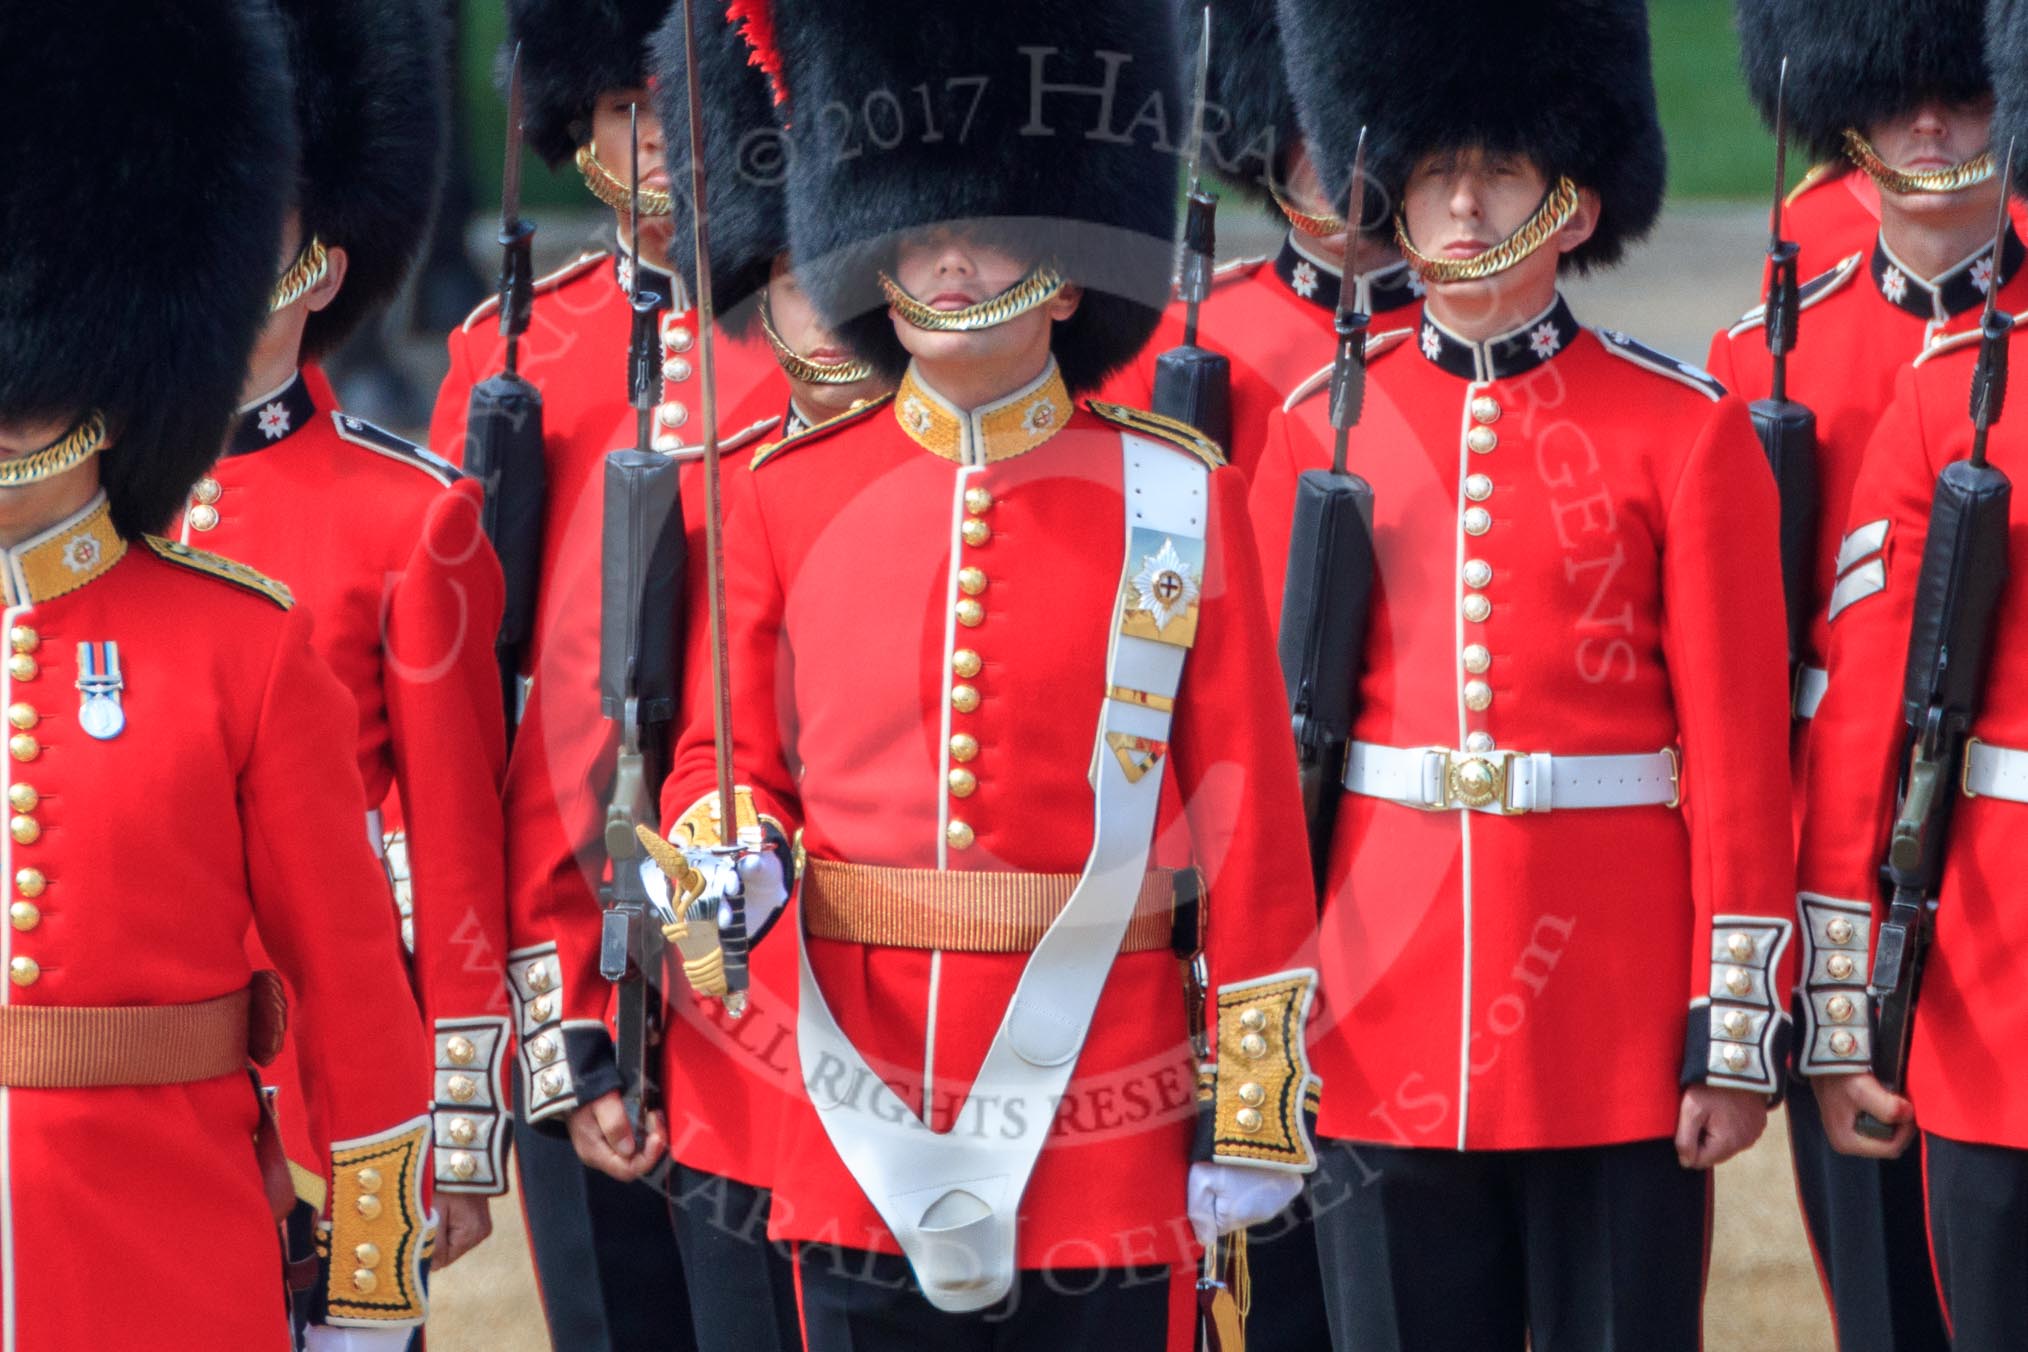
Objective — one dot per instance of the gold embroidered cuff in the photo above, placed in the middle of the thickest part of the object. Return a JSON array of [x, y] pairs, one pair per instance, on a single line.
[[469, 1133], [1263, 1096], [378, 1226]]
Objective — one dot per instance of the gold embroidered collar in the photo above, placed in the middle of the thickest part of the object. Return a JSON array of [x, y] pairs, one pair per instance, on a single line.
[[1004, 428], [64, 557]]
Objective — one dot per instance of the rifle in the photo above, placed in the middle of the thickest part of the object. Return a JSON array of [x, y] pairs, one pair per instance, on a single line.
[[1330, 583], [1193, 384], [1788, 430], [1964, 572], [640, 598], [503, 428]]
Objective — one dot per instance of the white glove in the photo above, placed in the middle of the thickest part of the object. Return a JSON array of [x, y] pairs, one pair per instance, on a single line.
[[1227, 1197], [325, 1338], [757, 874]]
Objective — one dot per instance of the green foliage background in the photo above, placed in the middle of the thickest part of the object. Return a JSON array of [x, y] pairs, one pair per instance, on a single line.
[[1717, 147]]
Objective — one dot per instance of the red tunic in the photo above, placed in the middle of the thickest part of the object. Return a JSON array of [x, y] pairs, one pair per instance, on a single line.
[[1272, 318], [380, 543], [559, 776], [1493, 982], [1966, 1075], [1866, 320], [855, 722], [136, 865]]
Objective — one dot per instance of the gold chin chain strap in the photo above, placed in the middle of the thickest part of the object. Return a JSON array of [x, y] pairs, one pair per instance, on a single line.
[[798, 367], [1558, 206], [654, 201], [313, 263], [1972, 172], [78, 445], [1038, 288], [1316, 224]]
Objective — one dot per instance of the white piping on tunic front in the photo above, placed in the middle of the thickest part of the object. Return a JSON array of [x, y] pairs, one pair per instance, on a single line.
[[1464, 818]]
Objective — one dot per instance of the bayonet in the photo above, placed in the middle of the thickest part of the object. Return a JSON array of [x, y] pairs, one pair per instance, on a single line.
[[1989, 378], [644, 366], [517, 236], [1348, 373], [1200, 232]]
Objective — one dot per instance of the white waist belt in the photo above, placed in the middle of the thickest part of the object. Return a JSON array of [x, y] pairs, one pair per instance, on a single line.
[[1810, 684], [1509, 782], [1995, 772]]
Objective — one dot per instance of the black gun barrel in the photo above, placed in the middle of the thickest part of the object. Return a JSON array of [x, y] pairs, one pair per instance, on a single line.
[[1323, 635]]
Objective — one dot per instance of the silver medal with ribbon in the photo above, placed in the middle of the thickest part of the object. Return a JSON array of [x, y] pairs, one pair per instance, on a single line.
[[99, 684]]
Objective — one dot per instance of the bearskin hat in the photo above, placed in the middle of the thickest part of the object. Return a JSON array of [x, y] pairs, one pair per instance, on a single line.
[[2007, 49], [1851, 65], [571, 52], [1566, 83], [744, 162], [1250, 124], [371, 114], [1054, 125], [142, 214]]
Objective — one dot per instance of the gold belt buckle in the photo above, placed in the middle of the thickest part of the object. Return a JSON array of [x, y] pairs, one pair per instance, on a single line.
[[1477, 780], [1972, 744]]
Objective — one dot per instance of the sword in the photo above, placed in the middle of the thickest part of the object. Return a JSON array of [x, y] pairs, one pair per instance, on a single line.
[[731, 936]]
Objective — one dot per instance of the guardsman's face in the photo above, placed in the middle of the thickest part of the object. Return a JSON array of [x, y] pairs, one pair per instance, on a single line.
[[612, 127], [946, 269], [799, 325], [1459, 203], [1934, 134]]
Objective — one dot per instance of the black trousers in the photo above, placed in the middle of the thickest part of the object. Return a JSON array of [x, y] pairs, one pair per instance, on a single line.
[[1590, 1250], [605, 1252], [856, 1301], [1978, 1227], [1867, 1226], [1288, 1301], [742, 1288]]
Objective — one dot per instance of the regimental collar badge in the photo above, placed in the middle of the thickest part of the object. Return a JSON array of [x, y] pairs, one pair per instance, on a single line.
[[273, 417], [64, 557], [99, 683], [1510, 354], [1318, 281], [1004, 428], [1957, 290]]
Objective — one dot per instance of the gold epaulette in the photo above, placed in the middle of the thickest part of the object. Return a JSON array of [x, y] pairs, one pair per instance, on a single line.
[[824, 428], [547, 282], [1160, 428], [222, 568]]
